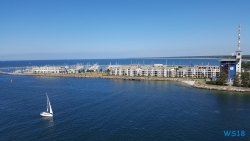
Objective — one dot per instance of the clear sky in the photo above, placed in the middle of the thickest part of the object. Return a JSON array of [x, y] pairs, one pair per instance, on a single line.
[[86, 29]]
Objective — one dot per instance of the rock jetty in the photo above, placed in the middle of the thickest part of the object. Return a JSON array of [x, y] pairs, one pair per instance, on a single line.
[[196, 83]]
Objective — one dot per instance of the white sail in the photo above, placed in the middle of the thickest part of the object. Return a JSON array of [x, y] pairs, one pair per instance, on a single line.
[[49, 112], [50, 109]]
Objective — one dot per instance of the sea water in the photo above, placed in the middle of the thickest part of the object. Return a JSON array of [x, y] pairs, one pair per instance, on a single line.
[[106, 109], [148, 61], [109, 109]]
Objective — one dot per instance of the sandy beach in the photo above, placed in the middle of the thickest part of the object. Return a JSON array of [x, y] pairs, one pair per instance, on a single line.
[[189, 82]]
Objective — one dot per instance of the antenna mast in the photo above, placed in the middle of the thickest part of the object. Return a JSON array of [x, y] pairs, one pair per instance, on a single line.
[[239, 37]]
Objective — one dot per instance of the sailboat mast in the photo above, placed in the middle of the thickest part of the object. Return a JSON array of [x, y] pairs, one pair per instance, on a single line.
[[47, 102], [50, 109]]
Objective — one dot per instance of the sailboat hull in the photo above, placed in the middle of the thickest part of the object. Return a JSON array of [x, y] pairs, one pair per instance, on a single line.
[[49, 112], [46, 114]]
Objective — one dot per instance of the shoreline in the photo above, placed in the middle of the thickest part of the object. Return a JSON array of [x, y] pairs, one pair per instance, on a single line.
[[195, 83]]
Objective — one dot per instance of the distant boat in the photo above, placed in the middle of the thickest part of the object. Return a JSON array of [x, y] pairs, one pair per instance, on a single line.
[[49, 112], [10, 80]]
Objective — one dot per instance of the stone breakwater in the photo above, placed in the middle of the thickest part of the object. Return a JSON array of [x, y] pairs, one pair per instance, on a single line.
[[196, 83], [102, 75], [221, 88]]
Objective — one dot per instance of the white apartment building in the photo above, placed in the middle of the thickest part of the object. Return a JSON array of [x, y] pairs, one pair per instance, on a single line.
[[160, 70]]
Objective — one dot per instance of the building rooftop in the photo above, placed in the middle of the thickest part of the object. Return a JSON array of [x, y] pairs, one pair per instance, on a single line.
[[228, 59]]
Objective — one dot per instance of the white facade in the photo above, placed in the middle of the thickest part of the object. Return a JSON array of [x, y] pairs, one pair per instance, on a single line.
[[145, 70], [49, 69], [55, 69], [199, 71], [160, 70]]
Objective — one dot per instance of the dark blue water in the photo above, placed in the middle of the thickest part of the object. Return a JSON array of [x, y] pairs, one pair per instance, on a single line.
[[107, 109], [110, 61]]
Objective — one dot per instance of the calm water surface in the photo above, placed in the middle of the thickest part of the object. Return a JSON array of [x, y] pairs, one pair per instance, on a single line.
[[110, 61], [107, 109]]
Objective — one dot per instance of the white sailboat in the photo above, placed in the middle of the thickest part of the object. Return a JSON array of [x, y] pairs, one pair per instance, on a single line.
[[49, 112]]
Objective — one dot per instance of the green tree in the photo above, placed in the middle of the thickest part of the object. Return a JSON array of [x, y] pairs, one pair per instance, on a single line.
[[222, 79], [245, 65], [108, 71], [219, 82], [236, 79], [90, 70], [245, 79], [202, 75], [223, 76], [176, 71]]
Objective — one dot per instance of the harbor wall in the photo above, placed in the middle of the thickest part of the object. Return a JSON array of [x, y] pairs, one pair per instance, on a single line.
[[195, 83]]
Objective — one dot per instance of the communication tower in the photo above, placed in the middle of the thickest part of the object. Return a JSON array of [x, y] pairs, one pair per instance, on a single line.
[[238, 53]]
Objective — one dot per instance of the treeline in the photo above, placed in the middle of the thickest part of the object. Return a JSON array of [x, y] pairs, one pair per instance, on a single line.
[[244, 80], [245, 66], [83, 71], [222, 80], [240, 80]]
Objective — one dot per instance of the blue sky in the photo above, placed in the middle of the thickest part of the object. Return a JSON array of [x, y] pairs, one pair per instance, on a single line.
[[86, 29]]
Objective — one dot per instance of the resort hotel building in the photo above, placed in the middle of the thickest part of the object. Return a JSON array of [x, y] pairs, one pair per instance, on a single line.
[[160, 70]]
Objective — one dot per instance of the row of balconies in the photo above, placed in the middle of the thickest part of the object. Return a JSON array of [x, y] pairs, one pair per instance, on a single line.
[[166, 73]]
